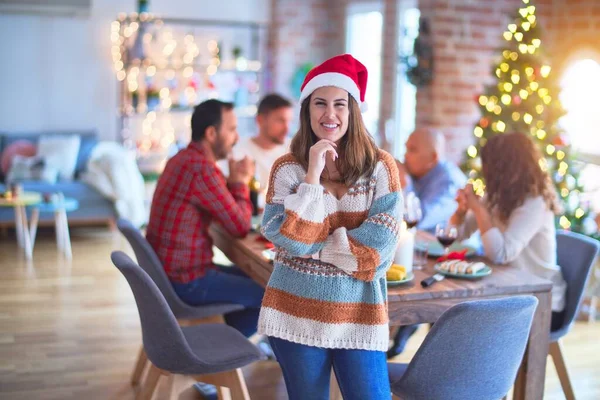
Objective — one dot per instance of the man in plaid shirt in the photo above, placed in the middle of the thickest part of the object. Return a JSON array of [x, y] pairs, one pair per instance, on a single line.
[[192, 193]]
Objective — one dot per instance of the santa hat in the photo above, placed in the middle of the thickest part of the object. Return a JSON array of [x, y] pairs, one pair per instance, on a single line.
[[344, 72]]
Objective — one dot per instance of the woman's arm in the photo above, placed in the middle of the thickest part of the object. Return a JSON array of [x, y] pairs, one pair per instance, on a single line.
[[524, 222], [367, 252], [294, 217]]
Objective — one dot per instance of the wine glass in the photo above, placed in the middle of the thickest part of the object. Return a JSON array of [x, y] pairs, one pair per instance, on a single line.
[[446, 234], [412, 210]]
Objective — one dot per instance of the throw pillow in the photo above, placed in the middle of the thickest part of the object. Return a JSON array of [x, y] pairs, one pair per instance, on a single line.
[[20, 147], [60, 152], [31, 169]]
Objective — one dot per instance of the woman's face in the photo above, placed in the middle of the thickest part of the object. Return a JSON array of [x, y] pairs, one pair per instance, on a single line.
[[329, 113]]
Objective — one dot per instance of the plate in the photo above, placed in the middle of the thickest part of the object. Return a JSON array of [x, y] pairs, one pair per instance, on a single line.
[[435, 249], [409, 277], [484, 272]]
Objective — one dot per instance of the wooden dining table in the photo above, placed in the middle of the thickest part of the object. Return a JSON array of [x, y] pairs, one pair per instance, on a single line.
[[411, 304]]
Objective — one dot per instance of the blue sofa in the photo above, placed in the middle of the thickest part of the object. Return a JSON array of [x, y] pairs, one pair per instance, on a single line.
[[93, 208]]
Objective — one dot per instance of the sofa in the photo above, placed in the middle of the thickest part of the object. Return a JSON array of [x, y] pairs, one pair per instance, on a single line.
[[93, 208]]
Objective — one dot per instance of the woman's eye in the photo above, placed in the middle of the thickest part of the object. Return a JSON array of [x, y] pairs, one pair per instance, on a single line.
[[340, 105]]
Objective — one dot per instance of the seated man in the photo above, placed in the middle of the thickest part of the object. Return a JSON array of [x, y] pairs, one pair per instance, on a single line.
[[190, 194], [435, 182], [271, 142]]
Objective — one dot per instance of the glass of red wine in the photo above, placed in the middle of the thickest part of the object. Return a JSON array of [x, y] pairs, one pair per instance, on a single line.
[[446, 234], [412, 210]]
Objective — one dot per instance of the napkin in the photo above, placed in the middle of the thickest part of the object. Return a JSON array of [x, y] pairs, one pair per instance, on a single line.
[[454, 255]]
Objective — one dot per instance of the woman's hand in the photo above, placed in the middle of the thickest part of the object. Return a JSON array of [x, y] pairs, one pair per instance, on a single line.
[[459, 215], [316, 159], [472, 200]]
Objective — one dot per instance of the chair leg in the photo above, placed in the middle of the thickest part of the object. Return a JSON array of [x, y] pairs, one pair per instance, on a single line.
[[223, 393], [232, 380], [171, 389], [149, 385], [561, 369], [140, 364], [238, 385]]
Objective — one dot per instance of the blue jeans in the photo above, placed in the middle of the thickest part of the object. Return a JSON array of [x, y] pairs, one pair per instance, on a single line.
[[226, 285], [361, 374]]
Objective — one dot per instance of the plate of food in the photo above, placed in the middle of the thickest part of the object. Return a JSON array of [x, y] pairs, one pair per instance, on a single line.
[[435, 249], [463, 269], [397, 275]]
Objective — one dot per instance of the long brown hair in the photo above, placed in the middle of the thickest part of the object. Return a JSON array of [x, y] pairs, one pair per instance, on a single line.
[[512, 172], [357, 151]]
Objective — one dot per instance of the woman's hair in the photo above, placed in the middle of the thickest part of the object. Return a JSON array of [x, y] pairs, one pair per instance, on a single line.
[[357, 151], [512, 172]]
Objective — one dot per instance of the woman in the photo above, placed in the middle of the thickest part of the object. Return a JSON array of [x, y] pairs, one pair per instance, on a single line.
[[516, 220], [332, 212]]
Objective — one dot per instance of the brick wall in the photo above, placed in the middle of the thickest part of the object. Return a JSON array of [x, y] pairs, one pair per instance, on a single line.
[[307, 31], [466, 36]]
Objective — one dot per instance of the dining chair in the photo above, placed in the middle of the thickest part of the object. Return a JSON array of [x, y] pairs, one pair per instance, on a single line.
[[576, 255], [472, 352], [186, 314], [211, 353]]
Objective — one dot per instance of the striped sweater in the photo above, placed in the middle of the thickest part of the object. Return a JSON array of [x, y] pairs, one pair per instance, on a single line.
[[328, 286]]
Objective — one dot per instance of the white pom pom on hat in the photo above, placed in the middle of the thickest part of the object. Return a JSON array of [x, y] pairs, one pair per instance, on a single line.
[[344, 72]]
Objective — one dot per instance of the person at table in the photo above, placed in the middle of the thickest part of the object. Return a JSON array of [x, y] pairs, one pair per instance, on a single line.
[[333, 210], [435, 182], [190, 194], [516, 217], [273, 120], [433, 179]]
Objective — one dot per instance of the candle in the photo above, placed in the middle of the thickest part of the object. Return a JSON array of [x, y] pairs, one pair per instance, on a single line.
[[405, 249]]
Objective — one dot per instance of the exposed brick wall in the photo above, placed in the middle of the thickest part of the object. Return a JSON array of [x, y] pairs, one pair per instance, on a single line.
[[302, 32], [574, 29], [466, 36]]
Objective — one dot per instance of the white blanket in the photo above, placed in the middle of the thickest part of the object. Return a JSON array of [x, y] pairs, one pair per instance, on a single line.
[[112, 171]]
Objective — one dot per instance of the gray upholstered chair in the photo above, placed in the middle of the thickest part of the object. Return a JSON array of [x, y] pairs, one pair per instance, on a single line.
[[212, 353], [185, 314], [473, 352], [576, 255]]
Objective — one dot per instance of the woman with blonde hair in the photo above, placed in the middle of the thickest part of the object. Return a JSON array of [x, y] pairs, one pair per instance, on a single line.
[[332, 212], [516, 218]]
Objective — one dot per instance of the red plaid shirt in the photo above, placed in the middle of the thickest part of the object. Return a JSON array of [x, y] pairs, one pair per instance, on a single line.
[[190, 193]]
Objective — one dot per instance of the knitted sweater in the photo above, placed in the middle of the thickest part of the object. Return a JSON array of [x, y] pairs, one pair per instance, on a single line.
[[328, 286]]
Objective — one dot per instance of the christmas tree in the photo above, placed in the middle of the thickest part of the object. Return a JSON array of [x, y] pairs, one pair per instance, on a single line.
[[525, 99]]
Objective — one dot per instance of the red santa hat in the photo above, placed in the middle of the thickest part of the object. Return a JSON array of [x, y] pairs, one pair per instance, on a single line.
[[344, 72]]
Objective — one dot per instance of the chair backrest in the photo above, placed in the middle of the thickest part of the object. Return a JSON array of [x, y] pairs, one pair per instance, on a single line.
[[164, 341], [576, 254], [472, 352], [149, 261]]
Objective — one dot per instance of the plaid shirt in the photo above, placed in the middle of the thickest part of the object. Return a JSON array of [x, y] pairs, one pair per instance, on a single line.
[[189, 194]]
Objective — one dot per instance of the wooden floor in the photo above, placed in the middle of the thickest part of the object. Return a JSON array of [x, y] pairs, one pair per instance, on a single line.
[[70, 330]]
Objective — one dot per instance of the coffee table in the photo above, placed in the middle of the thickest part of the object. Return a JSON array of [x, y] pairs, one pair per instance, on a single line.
[[20, 203]]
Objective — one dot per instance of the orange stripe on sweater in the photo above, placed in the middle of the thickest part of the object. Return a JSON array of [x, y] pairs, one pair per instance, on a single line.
[[308, 232], [367, 259], [325, 311]]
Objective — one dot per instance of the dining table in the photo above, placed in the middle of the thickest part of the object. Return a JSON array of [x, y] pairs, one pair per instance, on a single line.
[[411, 304]]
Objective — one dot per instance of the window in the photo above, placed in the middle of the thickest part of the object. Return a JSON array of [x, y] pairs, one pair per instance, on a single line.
[[580, 85], [406, 92], [363, 40]]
